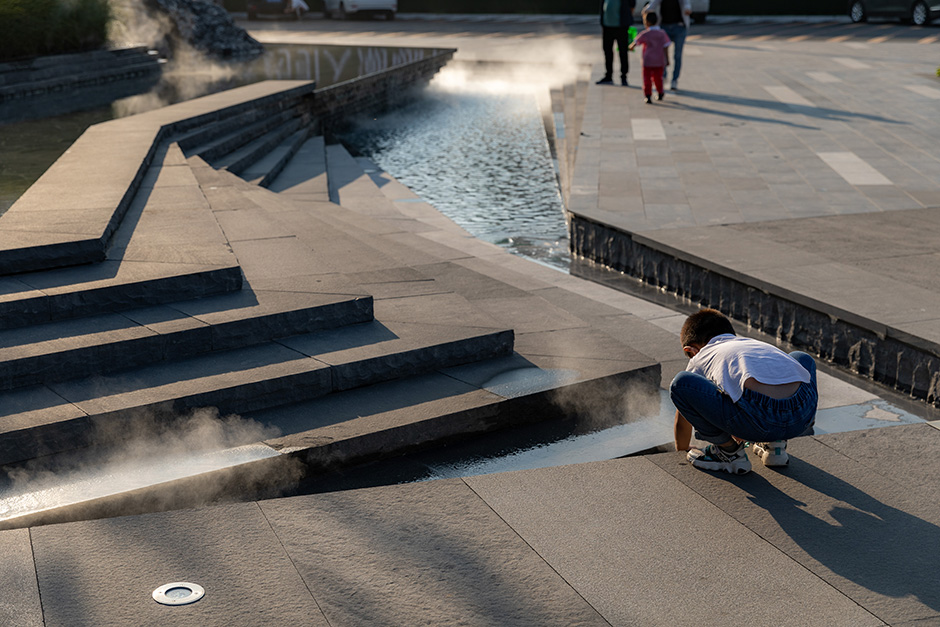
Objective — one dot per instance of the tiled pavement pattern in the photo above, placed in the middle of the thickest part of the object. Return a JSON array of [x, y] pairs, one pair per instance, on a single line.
[[847, 535]]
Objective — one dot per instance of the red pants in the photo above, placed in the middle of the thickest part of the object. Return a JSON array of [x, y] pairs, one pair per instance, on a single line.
[[652, 75]]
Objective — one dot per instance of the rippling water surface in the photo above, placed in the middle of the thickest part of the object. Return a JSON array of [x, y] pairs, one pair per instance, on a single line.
[[482, 159]]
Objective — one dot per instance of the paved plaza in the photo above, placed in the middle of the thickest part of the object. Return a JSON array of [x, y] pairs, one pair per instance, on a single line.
[[817, 141]]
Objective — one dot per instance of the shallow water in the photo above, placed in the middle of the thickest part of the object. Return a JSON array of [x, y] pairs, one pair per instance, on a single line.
[[479, 157]]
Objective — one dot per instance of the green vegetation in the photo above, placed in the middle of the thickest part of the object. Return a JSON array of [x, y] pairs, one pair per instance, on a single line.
[[35, 27]]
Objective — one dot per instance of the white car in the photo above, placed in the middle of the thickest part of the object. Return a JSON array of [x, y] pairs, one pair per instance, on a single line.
[[700, 10], [342, 9]]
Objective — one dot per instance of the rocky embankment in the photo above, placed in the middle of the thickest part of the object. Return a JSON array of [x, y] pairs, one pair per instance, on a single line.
[[208, 28]]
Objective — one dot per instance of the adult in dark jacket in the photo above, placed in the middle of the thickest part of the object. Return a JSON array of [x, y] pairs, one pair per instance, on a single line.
[[616, 19]]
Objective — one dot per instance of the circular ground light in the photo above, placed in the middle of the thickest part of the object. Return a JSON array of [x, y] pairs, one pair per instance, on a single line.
[[178, 593]]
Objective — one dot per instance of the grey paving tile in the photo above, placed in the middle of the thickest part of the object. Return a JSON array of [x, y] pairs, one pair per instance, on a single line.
[[575, 517], [821, 509], [22, 607], [230, 550], [446, 558]]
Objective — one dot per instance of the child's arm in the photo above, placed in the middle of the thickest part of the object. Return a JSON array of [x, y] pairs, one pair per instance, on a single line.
[[683, 433]]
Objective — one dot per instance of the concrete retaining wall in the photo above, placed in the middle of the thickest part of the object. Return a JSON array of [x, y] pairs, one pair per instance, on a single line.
[[868, 348]]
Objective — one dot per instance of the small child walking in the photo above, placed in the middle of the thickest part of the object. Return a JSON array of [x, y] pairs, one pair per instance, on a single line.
[[737, 390], [654, 41]]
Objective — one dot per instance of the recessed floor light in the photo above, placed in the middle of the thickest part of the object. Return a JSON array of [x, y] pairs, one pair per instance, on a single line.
[[178, 593]]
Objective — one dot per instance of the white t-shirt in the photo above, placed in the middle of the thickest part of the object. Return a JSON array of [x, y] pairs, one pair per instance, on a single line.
[[729, 361]]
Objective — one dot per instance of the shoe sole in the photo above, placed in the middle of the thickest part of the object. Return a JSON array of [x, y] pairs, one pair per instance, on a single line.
[[735, 468]]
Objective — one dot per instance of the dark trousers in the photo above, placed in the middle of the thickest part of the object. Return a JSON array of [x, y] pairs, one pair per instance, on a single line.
[[620, 36]]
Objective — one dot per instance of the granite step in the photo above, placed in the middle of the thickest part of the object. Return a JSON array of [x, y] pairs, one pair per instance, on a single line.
[[255, 150], [44, 420], [108, 287], [168, 248], [266, 169], [98, 345], [228, 138], [73, 66], [304, 175]]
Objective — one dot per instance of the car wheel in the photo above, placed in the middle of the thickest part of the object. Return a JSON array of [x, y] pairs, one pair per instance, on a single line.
[[699, 18], [857, 12], [252, 16], [920, 14], [389, 15]]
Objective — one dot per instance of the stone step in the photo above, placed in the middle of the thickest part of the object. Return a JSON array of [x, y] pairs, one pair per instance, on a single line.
[[351, 187], [305, 174], [68, 216], [168, 248], [58, 417], [111, 286], [263, 171], [73, 65], [56, 82], [200, 139], [98, 345], [227, 139], [250, 153]]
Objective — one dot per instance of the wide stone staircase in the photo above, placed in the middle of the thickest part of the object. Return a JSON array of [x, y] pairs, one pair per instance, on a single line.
[[259, 271]]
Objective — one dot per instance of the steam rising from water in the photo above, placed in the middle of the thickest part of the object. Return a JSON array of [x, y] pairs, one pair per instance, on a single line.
[[157, 453]]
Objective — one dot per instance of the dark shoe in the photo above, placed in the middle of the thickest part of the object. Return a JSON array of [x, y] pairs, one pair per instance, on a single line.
[[606, 81], [713, 457], [660, 96], [623, 81], [649, 100]]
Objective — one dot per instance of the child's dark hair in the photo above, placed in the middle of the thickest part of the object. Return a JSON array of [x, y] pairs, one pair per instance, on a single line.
[[703, 325], [650, 19]]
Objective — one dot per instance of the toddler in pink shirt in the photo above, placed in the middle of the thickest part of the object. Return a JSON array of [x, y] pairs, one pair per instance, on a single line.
[[655, 59]]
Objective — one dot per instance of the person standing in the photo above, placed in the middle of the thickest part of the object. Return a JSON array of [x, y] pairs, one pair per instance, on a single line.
[[655, 59], [616, 19], [674, 18]]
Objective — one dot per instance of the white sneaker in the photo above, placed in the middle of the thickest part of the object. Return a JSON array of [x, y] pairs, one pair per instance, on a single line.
[[773, 454], [675, 85]]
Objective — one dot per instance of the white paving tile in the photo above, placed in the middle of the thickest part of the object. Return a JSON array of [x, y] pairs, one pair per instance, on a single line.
[[824, 77], [853, 168], [835, 392], [854, 64], [923, 90], [648, 129], [788, 96]]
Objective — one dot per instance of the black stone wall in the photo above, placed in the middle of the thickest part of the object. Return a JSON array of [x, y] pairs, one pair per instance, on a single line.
[[872, 350]]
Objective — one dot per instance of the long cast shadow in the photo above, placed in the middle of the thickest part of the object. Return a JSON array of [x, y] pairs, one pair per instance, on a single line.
[[874, 545], [756, 103]]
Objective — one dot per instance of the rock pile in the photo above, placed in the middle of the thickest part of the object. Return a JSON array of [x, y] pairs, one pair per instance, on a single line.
[[208, 28]]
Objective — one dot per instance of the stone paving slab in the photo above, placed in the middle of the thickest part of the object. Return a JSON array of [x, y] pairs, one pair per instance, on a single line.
[[231, 551], [851, 523], [596, 524], [21, 605], [599, 543], [448, 559]]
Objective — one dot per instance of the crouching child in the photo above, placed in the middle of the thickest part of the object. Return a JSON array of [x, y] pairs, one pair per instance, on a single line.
[[738, 391]]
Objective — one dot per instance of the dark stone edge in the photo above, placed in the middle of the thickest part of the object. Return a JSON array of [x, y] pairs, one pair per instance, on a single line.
[[867, 347]]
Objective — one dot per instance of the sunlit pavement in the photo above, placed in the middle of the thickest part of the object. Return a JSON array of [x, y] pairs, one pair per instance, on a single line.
[[739, 109]]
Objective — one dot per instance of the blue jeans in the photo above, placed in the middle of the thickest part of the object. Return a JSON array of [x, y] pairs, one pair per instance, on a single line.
[[676, 33], [755, 417]]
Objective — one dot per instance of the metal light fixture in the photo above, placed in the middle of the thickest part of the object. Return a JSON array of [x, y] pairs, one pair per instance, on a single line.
[[178, 593]]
